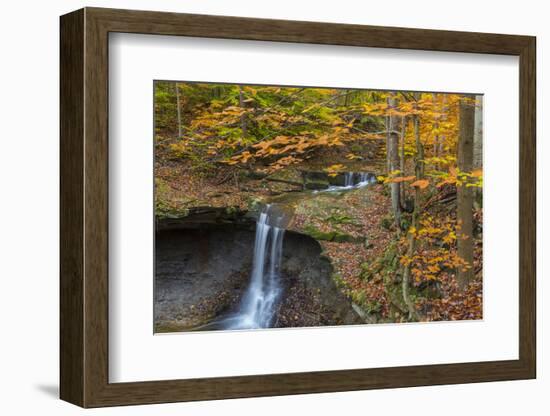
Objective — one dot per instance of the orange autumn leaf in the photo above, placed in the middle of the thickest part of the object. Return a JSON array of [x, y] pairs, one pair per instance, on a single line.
[[477, 173], [421, 183], [400, 179]]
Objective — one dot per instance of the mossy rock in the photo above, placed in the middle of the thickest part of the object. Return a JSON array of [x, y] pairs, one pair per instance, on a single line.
[[315, 185], [335, 236], [162, 211], [345, 238], [337, 180], [315, 180], [288, 174], [255, 203]]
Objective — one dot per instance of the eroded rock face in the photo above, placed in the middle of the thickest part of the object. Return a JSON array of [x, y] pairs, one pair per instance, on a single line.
[[202, 273], [311, 296], [199, 273], [199, 217]]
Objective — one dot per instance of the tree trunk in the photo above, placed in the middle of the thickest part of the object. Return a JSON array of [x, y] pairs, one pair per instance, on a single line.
[[387, 125], [347, 98], [436, 138], [464, 195], [478, 133], [178, 109], [402, 154], [243, 117], [393, 158], [478, 146], [419, 159], [405, 284], [444, 109]]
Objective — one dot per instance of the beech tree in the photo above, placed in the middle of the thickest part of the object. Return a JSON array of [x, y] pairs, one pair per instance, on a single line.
[[393, 158], [478, 145], [465, 199], [178, 108]]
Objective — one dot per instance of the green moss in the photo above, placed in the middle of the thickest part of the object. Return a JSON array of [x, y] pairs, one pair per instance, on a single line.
[[232, 211], [316, 185], [337, 218], [387, 222], [337, 278], [373, 306], [335, 236], [343, 238]]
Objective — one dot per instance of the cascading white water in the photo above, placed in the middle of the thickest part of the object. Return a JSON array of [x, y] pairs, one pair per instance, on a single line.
[[259, 303], [352, 180], [366, 178], [348, 179]]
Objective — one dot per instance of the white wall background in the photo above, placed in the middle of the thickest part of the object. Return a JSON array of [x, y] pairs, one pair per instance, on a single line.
[[29, 211]]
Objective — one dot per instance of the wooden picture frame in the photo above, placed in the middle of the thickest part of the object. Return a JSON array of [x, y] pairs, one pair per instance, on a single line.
[[84, 207]]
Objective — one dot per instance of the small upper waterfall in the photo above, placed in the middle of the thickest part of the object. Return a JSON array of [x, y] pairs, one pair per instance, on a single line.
[[348, 179], [352, 180], [263, 294]]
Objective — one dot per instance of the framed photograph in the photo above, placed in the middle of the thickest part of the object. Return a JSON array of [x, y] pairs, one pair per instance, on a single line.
[[256, 207]]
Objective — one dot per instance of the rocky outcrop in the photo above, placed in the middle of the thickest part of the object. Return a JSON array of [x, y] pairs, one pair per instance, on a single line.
[[312, 298], [199, 273], [203, 269], [200, 217], [315, 180]]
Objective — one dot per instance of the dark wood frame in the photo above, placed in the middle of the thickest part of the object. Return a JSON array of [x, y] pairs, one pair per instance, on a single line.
[[84, 208]]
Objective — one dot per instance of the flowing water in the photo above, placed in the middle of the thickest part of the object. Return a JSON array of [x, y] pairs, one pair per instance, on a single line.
[[352, 180], [260, 302], [348, 179]]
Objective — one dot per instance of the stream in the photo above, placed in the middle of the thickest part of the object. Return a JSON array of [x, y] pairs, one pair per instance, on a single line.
[[352, 180]]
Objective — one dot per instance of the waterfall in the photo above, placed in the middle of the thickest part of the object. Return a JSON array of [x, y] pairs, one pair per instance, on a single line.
[[352, 180], [348, 179], [366, 179], [261, 298]]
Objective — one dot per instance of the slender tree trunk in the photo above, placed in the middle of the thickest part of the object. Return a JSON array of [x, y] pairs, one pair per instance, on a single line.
[[347, 98], [444, 110], [419, 160], [402, 154], [478, 146], [465, 200], [178, 108], [243, 117], [388, 165], [393, 158], [436, 138], [405, 284], [478, 133]]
